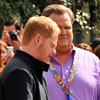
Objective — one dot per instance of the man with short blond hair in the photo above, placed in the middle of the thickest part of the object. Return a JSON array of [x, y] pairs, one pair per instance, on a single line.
[[22, 78]]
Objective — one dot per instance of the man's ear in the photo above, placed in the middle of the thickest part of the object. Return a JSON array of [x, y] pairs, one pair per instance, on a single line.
[[21, 32], [37, 38]]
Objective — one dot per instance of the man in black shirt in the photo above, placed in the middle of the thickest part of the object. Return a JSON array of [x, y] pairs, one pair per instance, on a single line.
[[22, 77]]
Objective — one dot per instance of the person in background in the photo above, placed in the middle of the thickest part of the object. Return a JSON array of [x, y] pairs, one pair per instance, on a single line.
[[3, 48], [22, 78], [84, 46], [12, 32], [97, 51], [96, 47], [95, 43], [74, 73]]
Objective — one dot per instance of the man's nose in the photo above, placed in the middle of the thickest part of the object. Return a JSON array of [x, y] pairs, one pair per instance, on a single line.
[[63, 31]]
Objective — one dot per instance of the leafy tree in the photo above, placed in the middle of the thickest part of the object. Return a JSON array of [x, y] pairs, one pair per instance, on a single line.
[[19, 8], [23, 9]]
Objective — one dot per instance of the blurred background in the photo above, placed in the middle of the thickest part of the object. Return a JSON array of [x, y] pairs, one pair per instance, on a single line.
[[87, 15]]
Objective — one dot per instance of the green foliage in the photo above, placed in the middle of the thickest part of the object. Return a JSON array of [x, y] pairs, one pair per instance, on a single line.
[[81, 23], [21, 9], [5, 10], [92, 2]]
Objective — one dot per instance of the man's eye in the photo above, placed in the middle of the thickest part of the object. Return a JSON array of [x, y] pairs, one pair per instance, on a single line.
[[2, 52]]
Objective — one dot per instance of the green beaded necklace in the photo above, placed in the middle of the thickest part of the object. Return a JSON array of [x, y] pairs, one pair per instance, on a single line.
[[69, 81]]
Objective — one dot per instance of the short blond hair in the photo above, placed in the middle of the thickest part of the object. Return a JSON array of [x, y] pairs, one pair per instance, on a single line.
[[38, 25]]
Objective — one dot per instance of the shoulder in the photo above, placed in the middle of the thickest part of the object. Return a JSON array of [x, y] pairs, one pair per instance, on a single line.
[[84, 52], [16, 68], [87, 55], [16, 73]]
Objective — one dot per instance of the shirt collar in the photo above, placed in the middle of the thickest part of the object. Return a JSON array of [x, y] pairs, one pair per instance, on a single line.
[[73, 51], [33, 61]]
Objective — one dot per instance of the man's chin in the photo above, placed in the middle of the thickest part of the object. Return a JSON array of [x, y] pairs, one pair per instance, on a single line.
[[48, 62], [61, 45]]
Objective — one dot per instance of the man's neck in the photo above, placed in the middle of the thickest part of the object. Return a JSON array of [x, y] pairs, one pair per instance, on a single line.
[[63, 56], [63, 53]]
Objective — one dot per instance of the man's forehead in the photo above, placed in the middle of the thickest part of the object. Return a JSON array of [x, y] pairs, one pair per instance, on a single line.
[[9, 28]]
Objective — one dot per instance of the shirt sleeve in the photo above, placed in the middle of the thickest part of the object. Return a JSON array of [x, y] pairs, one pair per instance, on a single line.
[[18, 85], [99, 83]]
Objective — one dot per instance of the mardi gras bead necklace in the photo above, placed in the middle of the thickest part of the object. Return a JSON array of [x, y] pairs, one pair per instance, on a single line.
[[69, 80]]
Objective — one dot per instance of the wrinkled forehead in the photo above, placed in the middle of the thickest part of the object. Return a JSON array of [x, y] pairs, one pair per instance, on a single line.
[[62, 17], [61, 20]]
